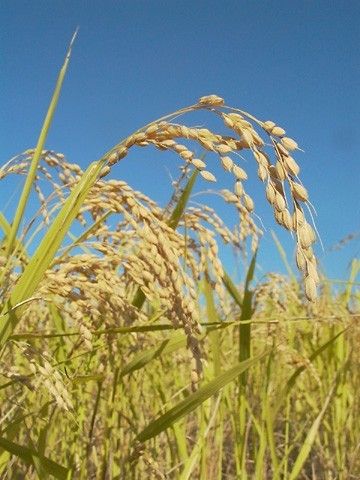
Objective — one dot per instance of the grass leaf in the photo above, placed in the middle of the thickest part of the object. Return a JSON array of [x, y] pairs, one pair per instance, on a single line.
[[195, 399], [140, 360], [310, 437], [31, 457], [38, 150]]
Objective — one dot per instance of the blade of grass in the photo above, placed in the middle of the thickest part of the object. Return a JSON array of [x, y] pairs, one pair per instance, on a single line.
[[214, 335], [85, 234], [232, 289], [6, 228], [38, 150], [283, 256], [310, 437], [246, 314], [140, 360], [216, 348], [31, 457], [200, 445], [355, 269], [196, 399], [60, 329], [178, 211]]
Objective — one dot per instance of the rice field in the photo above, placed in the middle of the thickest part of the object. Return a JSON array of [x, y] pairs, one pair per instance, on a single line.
[[127, 349]]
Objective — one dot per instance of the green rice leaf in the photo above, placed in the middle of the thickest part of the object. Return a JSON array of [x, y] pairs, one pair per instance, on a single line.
[[37, 154], [310, 438], [283, 256], [6, 228], [246, 314], [232, 289], [31, 457], [140, 360], [178, 211], [196, 399], [215, 334]]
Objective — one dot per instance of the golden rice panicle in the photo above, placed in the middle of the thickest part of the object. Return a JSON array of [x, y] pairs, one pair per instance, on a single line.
[[279, 177], [46, 378], [277, 292]]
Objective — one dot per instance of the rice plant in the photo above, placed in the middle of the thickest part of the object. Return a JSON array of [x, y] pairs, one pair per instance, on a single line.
[[128, 351]]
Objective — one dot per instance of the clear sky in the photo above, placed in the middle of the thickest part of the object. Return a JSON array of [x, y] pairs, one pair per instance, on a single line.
[[294, 62]]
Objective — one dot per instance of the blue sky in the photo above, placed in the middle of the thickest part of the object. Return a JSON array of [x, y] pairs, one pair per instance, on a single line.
[[295, 62]]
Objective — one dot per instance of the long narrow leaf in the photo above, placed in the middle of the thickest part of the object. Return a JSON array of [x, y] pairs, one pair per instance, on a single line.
[[31, 457], [283, 256], [196, 399], [232, 289], [310, 438], [178, 211], [38, 150], [6, 228], [246, 314], [143, 358], [215, 335]]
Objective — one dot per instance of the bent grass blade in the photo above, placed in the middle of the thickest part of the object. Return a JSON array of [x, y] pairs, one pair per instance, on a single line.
[[196, 399]]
